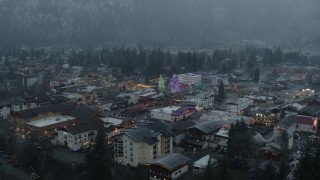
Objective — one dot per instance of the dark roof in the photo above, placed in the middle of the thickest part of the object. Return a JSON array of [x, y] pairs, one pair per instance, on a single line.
[[264, 164], [84, 113], [289, 121], [180, 126], [307, 120], [310, 110], [55, 108], [141, 134], [208, 126], [12, 100], [171, 161], [159, 126], [85, 126]]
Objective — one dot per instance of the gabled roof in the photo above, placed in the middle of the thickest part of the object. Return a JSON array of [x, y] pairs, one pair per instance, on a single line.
[[55, 108], [306, 120], [148, 132], [141, 134], [208, 126], [289, 121], [85, 126], [310, 110], [171, 161], [84, 113], [12, 100]]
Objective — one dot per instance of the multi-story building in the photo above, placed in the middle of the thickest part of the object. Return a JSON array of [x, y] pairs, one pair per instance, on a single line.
[[30, 80], [11, 105], [143, 144], [202, 100], [49, 126], [189, 78], [79, 136]]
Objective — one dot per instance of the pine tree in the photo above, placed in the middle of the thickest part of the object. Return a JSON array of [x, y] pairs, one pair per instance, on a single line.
[[98, 160], [282, 172], [208, 173], [256, 77], [221, 92], [223, 173], [285, 143]]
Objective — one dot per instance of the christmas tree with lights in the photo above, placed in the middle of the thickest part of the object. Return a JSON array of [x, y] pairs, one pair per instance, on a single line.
[[175, 84], [161, 84]]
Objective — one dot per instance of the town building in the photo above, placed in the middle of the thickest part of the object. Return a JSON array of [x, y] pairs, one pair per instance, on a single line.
[[143, 144], [189, 78], [173, 113], [200, 165], [32, 79], [49, 125], [238, 106], [202, 100], [15, 104], [201, 134], [79, 136], [306, 124], [170, 166]]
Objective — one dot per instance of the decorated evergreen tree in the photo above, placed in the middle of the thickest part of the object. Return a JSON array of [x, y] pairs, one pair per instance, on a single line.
[[161, 85], [175, 84]]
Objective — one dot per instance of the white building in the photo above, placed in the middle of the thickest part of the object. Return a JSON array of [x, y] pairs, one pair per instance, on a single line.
[[142, 145], [236, 107], [172, 113], [202, 101], [79, 136], [30, 80], [189, 78], [14, 105], [200, 165]]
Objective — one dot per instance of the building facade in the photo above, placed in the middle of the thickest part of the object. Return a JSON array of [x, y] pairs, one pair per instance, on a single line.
[[141, 146], [189, 78]]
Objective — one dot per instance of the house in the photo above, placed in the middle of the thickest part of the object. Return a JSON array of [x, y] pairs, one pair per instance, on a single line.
[[170, 166], [143, 144], [178, 130], [238, 106], [200, 165], [79, 136], [14, 104], [306, 123], [173, 113], [202, 100], [288, 124], [275, 143], [113, 126], [199, 135]]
